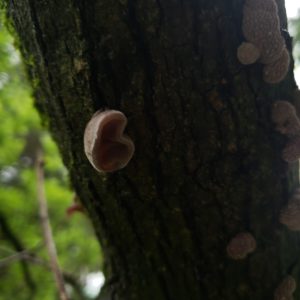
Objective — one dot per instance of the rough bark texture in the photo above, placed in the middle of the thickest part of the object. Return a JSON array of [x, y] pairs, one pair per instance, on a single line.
[[208, 162]]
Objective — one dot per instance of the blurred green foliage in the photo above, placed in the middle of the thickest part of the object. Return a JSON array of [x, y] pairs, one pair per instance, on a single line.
[[27, 275]]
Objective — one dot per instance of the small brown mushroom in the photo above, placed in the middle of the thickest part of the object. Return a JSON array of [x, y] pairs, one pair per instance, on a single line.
[[241, 245], [290, 214], [285, 289], [105, 145], [276, 72], [291, 151], [247, 53], [285, 117]]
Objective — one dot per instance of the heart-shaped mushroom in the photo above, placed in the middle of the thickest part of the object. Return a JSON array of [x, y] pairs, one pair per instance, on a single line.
[[105, 145]]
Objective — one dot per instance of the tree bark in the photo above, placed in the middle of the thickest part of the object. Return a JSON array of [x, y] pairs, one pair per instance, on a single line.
[[208, 161]]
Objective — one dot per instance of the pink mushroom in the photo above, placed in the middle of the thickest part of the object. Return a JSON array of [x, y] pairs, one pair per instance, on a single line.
[[241, 245], [290, 214], [105, 145], [263, 40], [285, 289], [291, 152], [285, 117]]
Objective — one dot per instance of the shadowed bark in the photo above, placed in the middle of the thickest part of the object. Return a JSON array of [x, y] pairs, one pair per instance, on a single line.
[[208, 161]]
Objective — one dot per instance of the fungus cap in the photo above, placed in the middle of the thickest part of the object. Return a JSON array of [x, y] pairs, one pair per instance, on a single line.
[[276, 72], [291, 152], [105, 145], [290, 214], [247, 53], [261, 28], [282, 111], [269, 5], [285, 117], [241, 245], [285, 289]]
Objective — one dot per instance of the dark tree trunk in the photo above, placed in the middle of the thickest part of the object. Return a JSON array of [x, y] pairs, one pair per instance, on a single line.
[[208, 161]]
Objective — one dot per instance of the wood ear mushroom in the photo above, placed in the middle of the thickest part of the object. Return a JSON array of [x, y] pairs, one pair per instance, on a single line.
[[286, 289], [290, 214], [285, 117], [263, 40], [105, 145], [241, 245]]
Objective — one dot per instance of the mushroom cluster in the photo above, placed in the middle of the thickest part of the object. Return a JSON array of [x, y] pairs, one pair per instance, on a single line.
[[264, 42], [106, 146]]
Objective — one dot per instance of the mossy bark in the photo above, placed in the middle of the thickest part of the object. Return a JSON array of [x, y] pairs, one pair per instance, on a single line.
[[208, 161]]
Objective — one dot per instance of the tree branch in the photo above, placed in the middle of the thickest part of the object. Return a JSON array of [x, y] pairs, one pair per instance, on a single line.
[[27, 255], [47, 231]]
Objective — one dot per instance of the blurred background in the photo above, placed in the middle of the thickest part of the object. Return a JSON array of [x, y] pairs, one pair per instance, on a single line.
[[293, 13], [24, 263]]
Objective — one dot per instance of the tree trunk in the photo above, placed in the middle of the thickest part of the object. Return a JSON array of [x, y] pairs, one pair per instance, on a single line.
[[207, 164]]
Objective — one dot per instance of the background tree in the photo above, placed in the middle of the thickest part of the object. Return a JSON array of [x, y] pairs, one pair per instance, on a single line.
[[208, 162]]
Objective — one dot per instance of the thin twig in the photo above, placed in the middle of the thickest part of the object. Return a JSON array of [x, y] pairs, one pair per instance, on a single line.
[[28, 256], [47, 231], [37, 247], [18, 245]]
